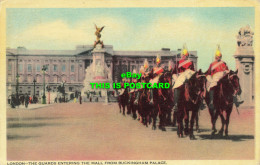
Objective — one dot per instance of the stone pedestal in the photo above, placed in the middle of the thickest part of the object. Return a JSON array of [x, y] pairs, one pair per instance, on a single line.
[[245, 58], [98, 72], [245, 64]]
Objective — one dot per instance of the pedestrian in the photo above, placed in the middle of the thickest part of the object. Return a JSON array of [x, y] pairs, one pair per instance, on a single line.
[[13, 101], [80, 99], [26, 100], [30, 100]]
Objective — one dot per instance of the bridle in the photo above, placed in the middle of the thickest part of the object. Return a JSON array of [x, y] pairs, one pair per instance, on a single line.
[[229, 80]]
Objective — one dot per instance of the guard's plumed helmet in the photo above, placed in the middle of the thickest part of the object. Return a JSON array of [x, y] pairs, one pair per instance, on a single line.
[[146, 64], [218, 52], [141, 69], [158, 59], [184, 51]]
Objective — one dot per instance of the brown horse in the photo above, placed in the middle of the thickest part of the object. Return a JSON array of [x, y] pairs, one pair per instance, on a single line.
[[123, 100], [132, 108], [225, 90], [163, 100], [191, 96], [144, 108]]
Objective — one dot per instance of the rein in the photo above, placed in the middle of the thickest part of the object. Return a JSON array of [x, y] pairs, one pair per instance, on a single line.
[[198, 94], [222, 91]]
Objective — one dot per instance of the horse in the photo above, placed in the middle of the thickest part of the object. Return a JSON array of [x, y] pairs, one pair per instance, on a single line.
[[191, 96], [123, 100], [227, 87], [163, 100], [144, 106], [132, 108]]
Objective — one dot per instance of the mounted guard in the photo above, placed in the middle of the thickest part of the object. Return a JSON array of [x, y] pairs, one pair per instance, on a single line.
[[156, 72], [217, 70], [144, 70], [183, 70]]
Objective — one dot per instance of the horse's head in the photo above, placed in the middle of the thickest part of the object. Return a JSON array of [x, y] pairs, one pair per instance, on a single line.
[[234, 82], [167, 77], [197, 83]]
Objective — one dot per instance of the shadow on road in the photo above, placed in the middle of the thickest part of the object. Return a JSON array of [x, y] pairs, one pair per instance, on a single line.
[[30, 119], [26, 125], [18, 137], [235, 138]]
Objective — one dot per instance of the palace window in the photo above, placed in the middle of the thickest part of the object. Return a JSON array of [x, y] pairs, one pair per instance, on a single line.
[[9, 67], [38, 67], [55, 68], [20, 66], [72, 68], [29, 68], [63, 68]]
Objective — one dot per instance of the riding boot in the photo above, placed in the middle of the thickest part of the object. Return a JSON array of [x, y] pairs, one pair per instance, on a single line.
[[137, 98], [151, 100], [176, 99], [211, 97]]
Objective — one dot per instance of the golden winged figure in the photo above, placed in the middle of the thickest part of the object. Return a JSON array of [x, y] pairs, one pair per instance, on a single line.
[[98, 31]]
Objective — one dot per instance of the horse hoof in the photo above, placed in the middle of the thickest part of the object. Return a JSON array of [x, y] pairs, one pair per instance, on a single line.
[[192, 137], [198, 130], [213, 132], [153, 128], [186, 132], [220, 133], [163, 129]]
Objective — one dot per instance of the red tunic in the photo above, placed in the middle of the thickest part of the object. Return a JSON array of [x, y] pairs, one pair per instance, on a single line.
[[183, 65], [216, 67]]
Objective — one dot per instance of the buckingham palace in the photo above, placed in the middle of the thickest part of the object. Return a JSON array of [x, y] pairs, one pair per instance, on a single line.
[[24, 66]]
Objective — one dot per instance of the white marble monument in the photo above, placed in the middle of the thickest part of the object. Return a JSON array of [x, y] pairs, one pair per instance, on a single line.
[[245, 57]]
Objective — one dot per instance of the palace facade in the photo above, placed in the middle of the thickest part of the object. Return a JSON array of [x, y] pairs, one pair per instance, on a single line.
[[69, 66]]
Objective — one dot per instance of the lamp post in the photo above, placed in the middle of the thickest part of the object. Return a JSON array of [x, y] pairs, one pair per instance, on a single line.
[[34, 81], [17, 89], [44, 68], [48, 89], [17, 82]]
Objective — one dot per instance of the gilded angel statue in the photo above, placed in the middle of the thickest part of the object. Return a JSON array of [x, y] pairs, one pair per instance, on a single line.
[[97, 33]]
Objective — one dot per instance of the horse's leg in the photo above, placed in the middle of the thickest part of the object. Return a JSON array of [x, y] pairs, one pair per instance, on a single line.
[[222, 124], [193, 116], [186, 120], [174, 119], [134, 110], [180, 122], [128, 107], [154, 116], [168, 116], [197, 122], [228, 112], [119, 104], [124, 109], [161, 119], [214, 118]]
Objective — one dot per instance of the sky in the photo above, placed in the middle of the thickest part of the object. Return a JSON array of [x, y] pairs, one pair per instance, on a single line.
[[137, 29]]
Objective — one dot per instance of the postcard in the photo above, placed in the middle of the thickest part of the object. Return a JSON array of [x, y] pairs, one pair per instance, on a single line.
[[129, 82]]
